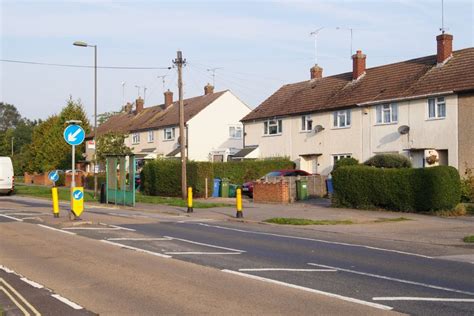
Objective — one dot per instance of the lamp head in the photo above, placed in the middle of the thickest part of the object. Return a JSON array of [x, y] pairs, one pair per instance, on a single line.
[[80, 43]]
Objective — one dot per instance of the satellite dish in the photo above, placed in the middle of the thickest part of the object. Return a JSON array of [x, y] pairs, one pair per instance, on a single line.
[[404, 129], [318, 128]]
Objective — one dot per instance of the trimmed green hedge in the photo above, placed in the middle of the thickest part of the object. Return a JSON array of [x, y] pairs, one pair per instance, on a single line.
[[163, 176], [389, 161], [405, 189], [346, 162]]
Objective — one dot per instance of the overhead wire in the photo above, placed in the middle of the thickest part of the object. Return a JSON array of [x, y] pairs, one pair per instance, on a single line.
[[80, 66]]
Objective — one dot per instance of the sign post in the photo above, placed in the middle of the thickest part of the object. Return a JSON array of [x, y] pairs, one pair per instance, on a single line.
[[74, 135], [54, 176]]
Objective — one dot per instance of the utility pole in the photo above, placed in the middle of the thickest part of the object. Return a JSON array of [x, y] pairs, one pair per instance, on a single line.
[[179, 62]]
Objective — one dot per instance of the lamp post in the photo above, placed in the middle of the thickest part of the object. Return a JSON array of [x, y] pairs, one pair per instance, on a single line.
[[84, 44]]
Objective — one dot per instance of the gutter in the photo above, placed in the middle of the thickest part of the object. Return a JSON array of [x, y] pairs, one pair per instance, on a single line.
[[420, 96]]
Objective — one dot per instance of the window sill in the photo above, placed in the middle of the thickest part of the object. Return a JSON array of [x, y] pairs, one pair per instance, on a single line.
[[150, 141], [382, 124], [305, 132], [436, 118], [272, 135], [168, 140], [344, 127]]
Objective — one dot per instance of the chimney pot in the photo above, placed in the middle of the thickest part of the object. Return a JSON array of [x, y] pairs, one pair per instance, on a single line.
[[444, 47], [139, 104], [358, 65], [316, 72], [168, 98], [208, 89]]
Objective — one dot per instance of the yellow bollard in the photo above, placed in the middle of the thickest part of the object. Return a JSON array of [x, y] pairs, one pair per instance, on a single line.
[[190, 200], [239, 204], [54, 191]]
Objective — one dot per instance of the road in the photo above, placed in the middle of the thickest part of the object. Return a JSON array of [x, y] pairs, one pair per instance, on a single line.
[[225, 266]]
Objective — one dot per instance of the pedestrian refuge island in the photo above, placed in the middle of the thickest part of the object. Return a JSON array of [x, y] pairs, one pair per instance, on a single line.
[[120, 179]]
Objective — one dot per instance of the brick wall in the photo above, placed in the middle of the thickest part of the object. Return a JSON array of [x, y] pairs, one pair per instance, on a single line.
[[39, 179], [271, 192], [79, 178]]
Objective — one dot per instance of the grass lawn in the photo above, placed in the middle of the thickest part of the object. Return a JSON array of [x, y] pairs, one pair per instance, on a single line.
[[398, 219], [303, 221], [469, 239], [45, 192]]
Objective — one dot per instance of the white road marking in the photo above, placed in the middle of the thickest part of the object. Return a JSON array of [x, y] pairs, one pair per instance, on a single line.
[[56, 229], [91, 228], [197, 220], [32, 283], [344, 298], [27, 214], [317, 240], [201, 253], [7, 270], [66, 301], [436, 287], [17, 304], [427, 299], [203, 244], [140, 239], [136, 249], [123, 228], [19, 296], [11, 217], [286, 269]]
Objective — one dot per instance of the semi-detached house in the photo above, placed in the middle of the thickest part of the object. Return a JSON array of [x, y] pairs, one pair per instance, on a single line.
[[422, 108], [212, 126]]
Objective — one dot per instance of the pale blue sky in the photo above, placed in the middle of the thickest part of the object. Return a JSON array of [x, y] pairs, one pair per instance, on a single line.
[[260, 45]]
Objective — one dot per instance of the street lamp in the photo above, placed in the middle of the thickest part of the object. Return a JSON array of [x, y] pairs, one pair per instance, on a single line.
[[84, 44]]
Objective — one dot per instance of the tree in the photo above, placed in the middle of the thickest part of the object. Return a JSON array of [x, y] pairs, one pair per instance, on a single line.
[[111, 143], [9, 116]]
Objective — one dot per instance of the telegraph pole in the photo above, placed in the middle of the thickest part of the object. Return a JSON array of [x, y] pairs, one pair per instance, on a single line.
[[179, 62]]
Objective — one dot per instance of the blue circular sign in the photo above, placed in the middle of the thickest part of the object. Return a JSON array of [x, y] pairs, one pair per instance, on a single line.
[[53, 176], [77, 195], [74, 135]]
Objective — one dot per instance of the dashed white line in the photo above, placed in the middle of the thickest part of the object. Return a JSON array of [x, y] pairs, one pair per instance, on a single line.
[[91, 228], [426, 299], [56, 229], [344, 298], [12, 218], [32, 283], [436, 287], [136, 249], [317, 240], [201, 253], [288, 269], [66, 301], [140, 239], [203, 244]]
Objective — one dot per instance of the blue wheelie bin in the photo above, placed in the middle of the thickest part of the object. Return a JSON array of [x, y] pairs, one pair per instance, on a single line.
[[216, 187]]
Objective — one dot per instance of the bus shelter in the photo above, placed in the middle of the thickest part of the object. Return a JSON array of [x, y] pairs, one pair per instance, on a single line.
[[120, 179]]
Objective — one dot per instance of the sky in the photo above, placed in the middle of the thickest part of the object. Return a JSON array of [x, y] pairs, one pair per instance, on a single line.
[[256, 46]]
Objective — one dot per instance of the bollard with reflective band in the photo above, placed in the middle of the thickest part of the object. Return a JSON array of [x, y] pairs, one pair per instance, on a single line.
[[77, 201], [54, 192], [190, 200], [239, 204]]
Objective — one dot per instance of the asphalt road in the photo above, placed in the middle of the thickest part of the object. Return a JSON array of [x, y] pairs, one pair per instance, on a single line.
[[366, 276]]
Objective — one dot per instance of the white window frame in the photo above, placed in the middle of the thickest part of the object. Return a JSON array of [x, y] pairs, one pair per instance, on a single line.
[[151, 136], [136, 138], [169, 133], [386, 113], [272, 127], [436, 108], [235, 132], [306, 123], [337, 157], [342, 119]]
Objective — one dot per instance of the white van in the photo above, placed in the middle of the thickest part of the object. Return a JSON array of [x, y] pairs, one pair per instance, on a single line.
[[7, 180]]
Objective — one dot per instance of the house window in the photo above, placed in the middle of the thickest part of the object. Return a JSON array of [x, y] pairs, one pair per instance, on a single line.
[[339, 157], [272, 127], [342, 118], [151, 136], [169, 133], [136, 138], [387, 113], [437, 108], [306, 123], [235, 132]]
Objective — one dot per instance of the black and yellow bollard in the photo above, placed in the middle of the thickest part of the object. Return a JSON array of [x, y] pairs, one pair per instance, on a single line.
[[54, 192], [190, 200], [239, 204]]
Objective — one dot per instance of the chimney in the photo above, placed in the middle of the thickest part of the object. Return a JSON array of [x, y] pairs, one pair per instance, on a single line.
[[168, 98], [128, 107], [208, 89], [445, 47], [316, 72], [139, 103], [358, 65]]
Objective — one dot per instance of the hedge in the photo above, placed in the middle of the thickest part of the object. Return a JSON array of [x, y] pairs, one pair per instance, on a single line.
[[389, 161], [163, 176], [89, 181], [405, 189]]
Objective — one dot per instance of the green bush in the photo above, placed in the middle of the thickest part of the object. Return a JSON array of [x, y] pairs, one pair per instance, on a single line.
[[404, 189], [389, 161], [89, 181], [467, 186], [346, 162]]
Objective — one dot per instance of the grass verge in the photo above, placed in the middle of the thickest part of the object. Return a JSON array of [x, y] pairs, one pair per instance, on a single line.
[[303, 221], [469, 239], [397, 219], [63, 193]]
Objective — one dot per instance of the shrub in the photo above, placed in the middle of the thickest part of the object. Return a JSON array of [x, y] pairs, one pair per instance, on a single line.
[[389, 161], [346, 162], [418, 190], [89, 181], [467, 186]]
